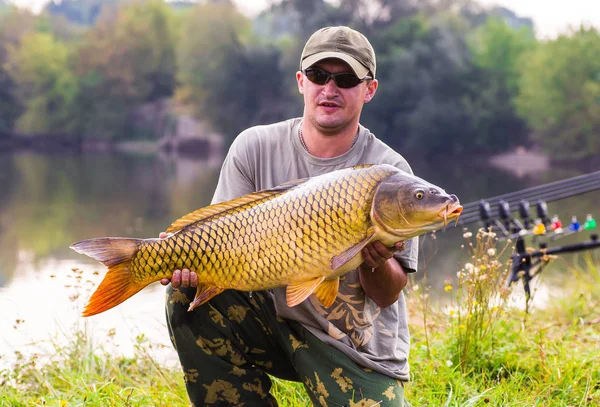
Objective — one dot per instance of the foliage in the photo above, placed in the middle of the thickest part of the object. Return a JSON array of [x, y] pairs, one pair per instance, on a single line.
[[13, 24], [477, 301], [498, 49], [480, 348], [454, 76], [432, 97], [560, 94], [223, 75], [127, 59], [46, 84]]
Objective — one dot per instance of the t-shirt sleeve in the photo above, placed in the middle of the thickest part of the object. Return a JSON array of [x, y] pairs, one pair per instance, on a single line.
[[236, 177]]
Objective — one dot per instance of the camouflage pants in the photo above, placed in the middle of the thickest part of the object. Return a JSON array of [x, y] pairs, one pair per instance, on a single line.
[[228, 345]]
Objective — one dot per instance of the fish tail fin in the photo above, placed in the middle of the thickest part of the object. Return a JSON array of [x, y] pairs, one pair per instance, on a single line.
[[118, 284]]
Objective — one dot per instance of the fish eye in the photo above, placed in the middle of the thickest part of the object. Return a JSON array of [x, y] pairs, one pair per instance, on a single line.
[[419, 194]]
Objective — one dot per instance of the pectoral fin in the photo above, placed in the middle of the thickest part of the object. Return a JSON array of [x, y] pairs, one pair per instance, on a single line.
[[327, 291], [204, 292], [298, 291], [341, 259]]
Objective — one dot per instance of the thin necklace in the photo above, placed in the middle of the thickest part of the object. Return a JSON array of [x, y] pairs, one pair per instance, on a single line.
[[306, 148]]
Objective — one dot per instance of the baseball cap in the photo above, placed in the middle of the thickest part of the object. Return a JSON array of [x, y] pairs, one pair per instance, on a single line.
[[342, 43]]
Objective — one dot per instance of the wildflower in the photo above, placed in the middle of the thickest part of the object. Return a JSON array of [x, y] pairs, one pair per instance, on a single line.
[[467, 235], [491, 252], [63, 403], [469, 267], [475, 303], [416, 287], [469, 316], [462, 326], [448, 288], [452, 312], [495, 308], [449, 363]]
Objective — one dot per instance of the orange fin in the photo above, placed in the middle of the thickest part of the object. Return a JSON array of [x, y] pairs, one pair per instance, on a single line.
[[118, 284], [212, 210], [204, 292], [298, 291], [327, 291], [341, 259]]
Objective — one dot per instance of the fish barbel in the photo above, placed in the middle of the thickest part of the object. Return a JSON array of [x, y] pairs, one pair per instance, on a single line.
[[302, 234]]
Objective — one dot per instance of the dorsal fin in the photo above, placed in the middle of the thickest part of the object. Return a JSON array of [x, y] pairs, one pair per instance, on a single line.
[[212, 210]]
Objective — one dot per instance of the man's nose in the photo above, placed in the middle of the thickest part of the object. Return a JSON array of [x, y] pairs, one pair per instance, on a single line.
[[330, 87]]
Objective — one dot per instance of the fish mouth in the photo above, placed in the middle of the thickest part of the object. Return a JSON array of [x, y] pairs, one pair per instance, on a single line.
[[452, 210]]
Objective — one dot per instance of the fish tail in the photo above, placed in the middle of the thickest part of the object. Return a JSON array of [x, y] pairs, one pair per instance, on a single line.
[[118, 284]]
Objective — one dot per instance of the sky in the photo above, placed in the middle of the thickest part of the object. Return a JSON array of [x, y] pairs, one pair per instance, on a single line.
[[551, 17]]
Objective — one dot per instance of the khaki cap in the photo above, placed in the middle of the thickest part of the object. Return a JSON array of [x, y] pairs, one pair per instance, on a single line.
[[342, 43]]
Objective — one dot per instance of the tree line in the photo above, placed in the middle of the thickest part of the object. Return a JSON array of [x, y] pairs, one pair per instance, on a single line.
[[454, 77]]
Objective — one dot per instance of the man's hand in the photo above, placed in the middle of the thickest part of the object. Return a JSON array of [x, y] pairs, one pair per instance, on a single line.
[[382, 277], [180, 278], [375, 254]]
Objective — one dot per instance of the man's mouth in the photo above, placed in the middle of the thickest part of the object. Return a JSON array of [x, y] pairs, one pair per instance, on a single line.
[[329, 104]]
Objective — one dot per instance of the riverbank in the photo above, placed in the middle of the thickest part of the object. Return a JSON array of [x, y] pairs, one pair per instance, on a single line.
[[476, 347]]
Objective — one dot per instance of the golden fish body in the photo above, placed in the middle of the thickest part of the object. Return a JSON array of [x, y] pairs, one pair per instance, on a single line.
[[303, 235]]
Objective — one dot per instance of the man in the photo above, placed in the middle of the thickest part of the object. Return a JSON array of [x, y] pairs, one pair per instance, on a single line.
[[352, 353]]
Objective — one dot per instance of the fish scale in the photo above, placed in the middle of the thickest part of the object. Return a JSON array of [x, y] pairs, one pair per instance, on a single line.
[[247, 228], [302, 234]]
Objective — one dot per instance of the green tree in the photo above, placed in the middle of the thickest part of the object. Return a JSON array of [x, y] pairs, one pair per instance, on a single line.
[[433, 97], [226, 76], [14, 23], [497, 48], [560, 94], [126, 60], [39, 66]]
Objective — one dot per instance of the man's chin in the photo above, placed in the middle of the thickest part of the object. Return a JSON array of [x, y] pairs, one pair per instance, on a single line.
[[330, 124]]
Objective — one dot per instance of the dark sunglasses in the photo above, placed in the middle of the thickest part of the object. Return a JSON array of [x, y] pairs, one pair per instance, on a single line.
[[343, 80]]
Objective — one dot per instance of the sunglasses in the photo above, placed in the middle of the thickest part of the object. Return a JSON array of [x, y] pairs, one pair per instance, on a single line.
[[343, 80]]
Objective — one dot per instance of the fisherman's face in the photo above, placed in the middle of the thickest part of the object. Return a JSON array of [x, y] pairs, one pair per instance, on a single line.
[[331, 109]]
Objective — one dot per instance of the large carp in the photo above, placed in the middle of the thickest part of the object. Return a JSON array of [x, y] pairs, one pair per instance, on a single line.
[[302, 234]]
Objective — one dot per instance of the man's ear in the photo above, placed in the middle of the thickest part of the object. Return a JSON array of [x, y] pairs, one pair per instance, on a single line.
[[371, 90], [300, 80]]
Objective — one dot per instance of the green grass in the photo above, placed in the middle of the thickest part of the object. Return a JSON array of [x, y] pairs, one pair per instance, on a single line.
[[472, 351]]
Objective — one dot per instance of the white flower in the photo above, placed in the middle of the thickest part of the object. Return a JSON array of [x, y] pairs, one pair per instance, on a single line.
[[449, 363], [416, 287], [469, 267], [467, 235], [491, 252]]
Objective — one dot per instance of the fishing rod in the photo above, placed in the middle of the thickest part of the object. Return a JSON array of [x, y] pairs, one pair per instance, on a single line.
[[496, 215], [548, 192]]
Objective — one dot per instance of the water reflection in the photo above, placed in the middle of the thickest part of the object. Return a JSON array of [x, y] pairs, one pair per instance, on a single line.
[[50, 201]]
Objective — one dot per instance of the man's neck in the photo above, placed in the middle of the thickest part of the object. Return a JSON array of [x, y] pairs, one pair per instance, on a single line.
[[328, 145]]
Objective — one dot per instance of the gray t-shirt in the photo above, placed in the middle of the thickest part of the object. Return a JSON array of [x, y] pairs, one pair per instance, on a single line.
[[265, 156]]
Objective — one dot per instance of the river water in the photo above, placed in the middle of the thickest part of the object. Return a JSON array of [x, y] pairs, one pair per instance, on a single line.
[[48, 202]]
